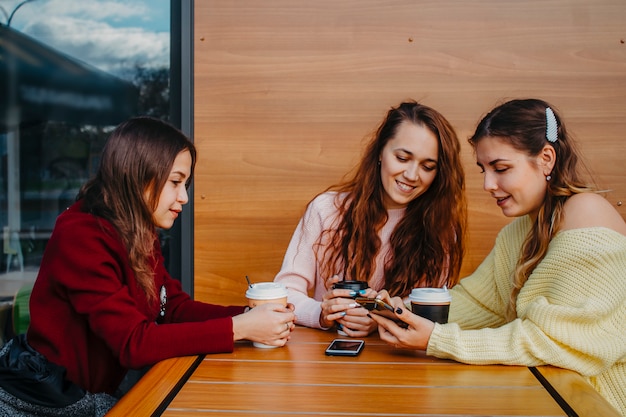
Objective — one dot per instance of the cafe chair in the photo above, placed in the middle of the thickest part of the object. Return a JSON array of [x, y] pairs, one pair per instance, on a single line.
[[21, 312]]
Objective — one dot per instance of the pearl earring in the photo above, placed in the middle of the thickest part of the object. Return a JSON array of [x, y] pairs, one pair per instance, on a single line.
[[548, 177]]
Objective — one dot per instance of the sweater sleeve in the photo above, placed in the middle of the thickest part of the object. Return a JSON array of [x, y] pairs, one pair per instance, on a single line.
[[299, 271], [480, 300], [570, 311], [101, 288], [474, 299]]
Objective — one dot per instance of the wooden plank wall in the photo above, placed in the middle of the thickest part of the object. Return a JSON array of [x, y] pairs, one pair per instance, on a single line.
[[286, 92]]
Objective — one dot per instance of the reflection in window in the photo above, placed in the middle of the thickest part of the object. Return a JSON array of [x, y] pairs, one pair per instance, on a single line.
[[69, 73]]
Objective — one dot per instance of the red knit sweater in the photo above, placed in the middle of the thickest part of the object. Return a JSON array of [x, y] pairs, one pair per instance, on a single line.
[[89, 315]]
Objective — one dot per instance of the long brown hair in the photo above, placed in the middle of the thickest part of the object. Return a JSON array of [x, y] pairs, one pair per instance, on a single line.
[[522, 123], [428, 242], [136, 162]]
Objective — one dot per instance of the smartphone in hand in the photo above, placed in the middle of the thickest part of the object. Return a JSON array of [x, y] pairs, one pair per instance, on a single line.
[[373, 304], [381, 308]]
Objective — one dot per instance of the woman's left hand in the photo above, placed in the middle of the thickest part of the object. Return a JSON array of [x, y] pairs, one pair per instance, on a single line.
[[415, 336], [356, 323]]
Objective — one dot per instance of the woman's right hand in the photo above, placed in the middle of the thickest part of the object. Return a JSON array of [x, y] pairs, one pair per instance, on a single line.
[[415, 336], [270, 324], [337, 302]]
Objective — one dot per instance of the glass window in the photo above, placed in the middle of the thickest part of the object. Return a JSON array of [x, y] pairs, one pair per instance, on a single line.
[[70, 71]]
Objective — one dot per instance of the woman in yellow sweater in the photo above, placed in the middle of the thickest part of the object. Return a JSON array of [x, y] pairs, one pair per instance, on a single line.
[[553, 289]]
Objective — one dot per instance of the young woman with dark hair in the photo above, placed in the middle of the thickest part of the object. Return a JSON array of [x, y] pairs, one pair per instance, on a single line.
[[553, 289], [397, 223], [103, 302]]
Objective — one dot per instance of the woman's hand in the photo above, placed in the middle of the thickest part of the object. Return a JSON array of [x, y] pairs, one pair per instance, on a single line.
[[415, 336], [357, 323], [338, 305], [270, 324]]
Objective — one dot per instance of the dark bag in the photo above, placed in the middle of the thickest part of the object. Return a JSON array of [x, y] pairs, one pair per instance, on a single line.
[[27, 375]]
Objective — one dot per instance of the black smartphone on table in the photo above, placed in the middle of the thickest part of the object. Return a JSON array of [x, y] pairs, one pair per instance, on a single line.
[[345, 347]]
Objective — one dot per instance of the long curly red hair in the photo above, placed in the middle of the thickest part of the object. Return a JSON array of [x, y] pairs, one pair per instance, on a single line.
[[428, 242]]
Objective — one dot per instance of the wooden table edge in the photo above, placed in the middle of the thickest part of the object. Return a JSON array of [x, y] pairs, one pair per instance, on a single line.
[[151, 395], [582, 401]]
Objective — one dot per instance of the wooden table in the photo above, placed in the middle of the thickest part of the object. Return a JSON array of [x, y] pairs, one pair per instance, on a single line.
[[299, 379]]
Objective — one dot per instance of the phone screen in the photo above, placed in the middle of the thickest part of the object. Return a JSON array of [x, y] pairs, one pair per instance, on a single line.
[[345, 347]]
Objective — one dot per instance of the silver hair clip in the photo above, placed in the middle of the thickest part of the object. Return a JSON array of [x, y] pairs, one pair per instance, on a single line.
[[551, 129]]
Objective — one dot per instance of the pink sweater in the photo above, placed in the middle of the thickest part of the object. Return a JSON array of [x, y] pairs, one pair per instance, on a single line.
[[300, 271]]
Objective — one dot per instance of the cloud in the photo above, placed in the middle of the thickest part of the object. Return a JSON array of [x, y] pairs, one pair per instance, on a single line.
[[110, 35], [99, 9]]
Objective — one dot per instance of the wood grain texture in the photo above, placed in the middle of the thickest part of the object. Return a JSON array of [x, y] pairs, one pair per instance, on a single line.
[[576, 392], [156, 388], [299, 379], [286, 93]]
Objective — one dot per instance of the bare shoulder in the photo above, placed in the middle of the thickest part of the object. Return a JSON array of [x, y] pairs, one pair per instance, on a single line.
[[591, 210]]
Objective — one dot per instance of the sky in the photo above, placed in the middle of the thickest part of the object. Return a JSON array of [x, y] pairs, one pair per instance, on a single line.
[[112, 35]]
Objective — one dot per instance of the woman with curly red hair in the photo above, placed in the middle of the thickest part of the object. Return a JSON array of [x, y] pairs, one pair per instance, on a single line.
[[397, 223]]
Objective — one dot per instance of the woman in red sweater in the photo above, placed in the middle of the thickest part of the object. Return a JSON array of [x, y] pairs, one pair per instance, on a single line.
[[103, 302]]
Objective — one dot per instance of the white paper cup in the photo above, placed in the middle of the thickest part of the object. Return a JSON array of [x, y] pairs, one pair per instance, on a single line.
[[431, 303], [266, 292]]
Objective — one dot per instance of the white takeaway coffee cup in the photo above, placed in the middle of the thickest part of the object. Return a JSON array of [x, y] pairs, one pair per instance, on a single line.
[[266, 292]]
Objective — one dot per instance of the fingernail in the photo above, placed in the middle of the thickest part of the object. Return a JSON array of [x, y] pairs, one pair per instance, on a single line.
[[339, 326], [343, 313], [399, 310], [354, 305], [369, 315], [362, 292], [352, 293]]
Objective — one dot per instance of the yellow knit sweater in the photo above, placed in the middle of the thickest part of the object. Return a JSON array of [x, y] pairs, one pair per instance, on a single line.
[[571, 312]]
